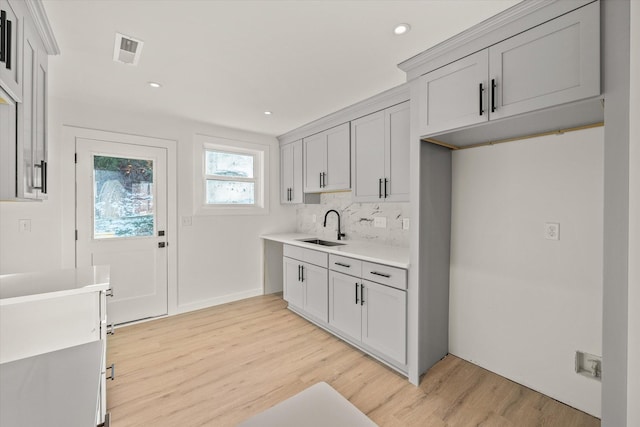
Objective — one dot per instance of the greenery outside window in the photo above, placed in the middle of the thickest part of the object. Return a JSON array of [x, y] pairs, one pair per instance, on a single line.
[[233, 174]]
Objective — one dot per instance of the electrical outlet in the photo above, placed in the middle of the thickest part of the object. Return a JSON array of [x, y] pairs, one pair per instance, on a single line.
[[187, 221], [405, 223], [314, 218], [24, 225], [552, 231], [588, 365], [380, 222]]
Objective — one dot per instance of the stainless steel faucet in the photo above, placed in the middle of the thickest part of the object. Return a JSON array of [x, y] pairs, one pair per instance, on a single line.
[[340, 235]]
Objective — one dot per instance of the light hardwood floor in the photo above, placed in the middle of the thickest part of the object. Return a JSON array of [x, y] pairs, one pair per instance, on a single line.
[[219, 366]]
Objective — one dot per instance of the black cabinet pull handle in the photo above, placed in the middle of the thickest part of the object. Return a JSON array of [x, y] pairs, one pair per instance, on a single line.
[[299, 272], [381, 274], [44, 177], [481, 90], [324, 179], [356, 293], [7, 40], [493, 95], [361, 294], [3, 29], [380, 188], [342, 265], [320, 179], [386, 181]]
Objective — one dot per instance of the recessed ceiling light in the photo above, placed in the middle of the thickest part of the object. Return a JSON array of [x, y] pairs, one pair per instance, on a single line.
[[154, 84], [267, 113], [401, 29]]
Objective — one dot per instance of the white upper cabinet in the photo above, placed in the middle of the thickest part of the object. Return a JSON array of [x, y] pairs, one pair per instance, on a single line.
[[32, 159], [455, 95], [327, 160], [12, 22], [552, 64], [291, 172], [380, 155]]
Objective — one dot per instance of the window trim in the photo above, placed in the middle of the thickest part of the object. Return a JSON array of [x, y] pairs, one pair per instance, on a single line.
[[260, 153]]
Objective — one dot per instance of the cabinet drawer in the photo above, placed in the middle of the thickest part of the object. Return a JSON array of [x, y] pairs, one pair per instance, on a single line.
[[345, 265], [318, 258], [384, 274]]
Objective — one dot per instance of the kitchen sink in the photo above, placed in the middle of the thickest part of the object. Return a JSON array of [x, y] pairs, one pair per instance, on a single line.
[[321, 242]]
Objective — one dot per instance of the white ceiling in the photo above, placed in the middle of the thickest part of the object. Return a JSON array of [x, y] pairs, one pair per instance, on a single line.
[[226, 62]]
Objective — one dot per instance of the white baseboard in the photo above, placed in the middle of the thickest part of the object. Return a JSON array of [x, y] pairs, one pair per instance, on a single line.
[[198, 305]]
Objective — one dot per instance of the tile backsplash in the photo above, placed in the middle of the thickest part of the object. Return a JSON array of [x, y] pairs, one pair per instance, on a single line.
[[356, 219]]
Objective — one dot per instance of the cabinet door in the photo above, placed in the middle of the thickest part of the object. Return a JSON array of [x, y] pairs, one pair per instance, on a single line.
[[28, 116], [345, 313], [286, 172], [297, 194], [10, 69], [316, 300], [40, 149], [397, 149], [368, 157], [451, 96], [384, 320], [293, 291], [315, 159], [338, 169], [554, 63], [8, 111]]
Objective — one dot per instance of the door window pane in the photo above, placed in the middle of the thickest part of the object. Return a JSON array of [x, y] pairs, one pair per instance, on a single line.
[[123, 197], [229, 164], [230, 192]]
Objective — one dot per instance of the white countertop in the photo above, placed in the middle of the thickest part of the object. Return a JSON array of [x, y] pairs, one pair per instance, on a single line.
[[395, 256], [23, 287]]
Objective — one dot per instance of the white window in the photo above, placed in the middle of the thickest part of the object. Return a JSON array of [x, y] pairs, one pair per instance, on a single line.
[[232, 179]]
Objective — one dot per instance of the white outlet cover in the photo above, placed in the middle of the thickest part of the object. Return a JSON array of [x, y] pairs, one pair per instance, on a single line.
[[187, 221], [380, 222], [552, 231], [314, 218], [405, 223]]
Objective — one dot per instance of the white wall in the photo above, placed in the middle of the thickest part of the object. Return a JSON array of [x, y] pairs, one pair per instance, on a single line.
[[521, 305], [633, 374], [219, 257]]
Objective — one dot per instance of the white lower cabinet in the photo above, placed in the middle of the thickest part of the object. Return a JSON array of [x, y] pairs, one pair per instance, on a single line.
[[305, 284], [371, 313], [362, 302]]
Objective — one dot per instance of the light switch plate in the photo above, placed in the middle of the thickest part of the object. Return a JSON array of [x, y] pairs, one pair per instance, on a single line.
[[187, 221], [380, 222], [24, 225]]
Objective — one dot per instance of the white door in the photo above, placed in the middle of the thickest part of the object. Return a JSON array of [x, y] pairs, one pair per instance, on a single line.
[[121, 218]]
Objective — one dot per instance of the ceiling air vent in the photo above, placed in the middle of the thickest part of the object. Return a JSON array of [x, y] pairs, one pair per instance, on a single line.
[[127, 49]]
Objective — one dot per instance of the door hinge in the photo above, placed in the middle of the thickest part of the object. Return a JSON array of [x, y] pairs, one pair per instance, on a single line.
[[76, 234], [75, 157]]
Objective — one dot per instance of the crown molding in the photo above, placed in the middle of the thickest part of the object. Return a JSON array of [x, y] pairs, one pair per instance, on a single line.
[[36, 8], [377, 102]]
